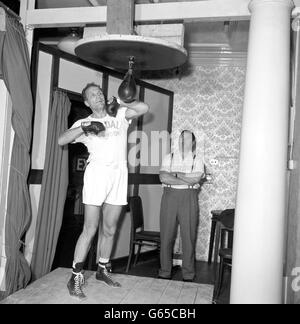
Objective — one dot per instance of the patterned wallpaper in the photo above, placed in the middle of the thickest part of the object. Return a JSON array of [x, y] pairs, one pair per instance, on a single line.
[[210, 98]]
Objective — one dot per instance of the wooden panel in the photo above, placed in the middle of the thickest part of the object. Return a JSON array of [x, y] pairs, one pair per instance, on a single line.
[[151, 197], [113, 86], [155, 140], [75, 77], [169, 32]]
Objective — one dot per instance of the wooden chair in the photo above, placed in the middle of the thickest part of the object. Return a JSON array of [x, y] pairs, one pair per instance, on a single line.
[[225, 230], [218, 216], [214, 219], [225, 261], [138, 235]]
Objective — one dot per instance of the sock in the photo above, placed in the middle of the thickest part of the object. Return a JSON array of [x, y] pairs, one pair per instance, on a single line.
[[103, 262], [77, 266]]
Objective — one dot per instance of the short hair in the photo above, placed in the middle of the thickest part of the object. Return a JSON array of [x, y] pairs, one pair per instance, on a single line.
[[193, 138], [86, 88]]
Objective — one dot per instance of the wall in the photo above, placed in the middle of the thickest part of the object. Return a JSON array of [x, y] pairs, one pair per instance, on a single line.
[[210, 97]]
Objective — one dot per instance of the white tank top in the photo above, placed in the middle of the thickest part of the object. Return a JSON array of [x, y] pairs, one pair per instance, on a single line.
[[109, 147]]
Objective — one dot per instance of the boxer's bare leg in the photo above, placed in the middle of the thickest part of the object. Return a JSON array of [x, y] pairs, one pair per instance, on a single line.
[[91, 223], [111, 215]]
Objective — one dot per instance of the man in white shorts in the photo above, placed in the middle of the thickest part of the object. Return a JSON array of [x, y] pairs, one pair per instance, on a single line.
[[104, 133]]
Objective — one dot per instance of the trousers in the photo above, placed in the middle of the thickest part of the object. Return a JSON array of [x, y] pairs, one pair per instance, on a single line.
[[178, 206]]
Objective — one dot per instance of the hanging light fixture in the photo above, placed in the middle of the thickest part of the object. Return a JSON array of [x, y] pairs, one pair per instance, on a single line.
[[68, 43]]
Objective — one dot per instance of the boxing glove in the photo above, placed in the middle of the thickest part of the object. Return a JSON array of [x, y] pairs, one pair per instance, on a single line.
[[112, 107], [92, 127]]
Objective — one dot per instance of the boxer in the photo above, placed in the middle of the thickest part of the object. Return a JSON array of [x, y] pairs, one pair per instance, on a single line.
[[104, 133]]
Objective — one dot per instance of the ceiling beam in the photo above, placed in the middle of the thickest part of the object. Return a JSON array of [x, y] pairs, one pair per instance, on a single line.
[[207, 10], [120, 17]]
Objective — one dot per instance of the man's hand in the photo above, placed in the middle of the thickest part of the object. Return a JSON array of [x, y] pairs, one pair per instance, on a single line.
[[190, 178], [92, 127], [170, 179]]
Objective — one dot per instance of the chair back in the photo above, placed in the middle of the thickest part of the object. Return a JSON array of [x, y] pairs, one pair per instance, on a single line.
[[136, 213], [227, 218]]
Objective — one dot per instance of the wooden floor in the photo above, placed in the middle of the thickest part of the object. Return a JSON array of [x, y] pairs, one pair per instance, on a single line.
[[52, 289]]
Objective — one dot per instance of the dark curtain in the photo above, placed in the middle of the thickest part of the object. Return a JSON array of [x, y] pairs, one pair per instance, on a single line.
[[54, 188], [15, 71]]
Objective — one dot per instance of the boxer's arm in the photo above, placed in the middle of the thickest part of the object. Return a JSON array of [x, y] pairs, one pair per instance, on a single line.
[[135, 109], [70, 136]]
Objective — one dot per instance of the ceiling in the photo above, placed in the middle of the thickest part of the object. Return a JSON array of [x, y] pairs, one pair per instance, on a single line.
[[42, 4], [202, 38]]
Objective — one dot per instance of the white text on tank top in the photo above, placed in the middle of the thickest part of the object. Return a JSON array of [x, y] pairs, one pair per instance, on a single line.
[[110, 146]]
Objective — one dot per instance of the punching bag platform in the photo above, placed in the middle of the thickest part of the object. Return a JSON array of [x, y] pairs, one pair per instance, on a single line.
[[115, 50]]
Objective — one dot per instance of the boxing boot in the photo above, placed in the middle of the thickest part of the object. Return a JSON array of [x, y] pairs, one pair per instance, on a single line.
[[76, 282], [103, 274]]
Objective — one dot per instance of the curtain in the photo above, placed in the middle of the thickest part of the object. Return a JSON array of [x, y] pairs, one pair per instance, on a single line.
[[54, 188], [293, 228], [15, 71]]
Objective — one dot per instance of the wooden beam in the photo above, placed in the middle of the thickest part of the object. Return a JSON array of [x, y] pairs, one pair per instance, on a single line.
[[170, 11], [25, 6], [66, 17], [120, 16], [206, 10], [194, 10]]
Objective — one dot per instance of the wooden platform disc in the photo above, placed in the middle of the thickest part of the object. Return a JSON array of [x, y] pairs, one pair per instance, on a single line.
[[115, 50], [52, 289]]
